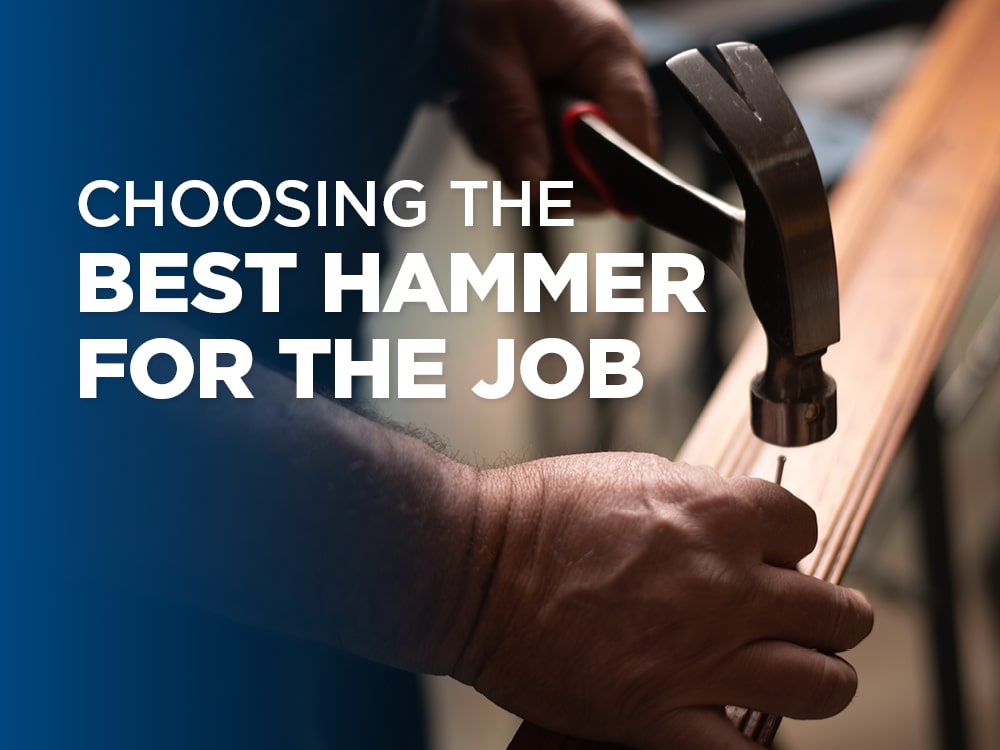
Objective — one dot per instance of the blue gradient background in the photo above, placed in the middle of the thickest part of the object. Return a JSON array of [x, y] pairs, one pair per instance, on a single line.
[[216, 91]]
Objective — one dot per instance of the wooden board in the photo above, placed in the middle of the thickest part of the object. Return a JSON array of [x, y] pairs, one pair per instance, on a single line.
[[908, 224]]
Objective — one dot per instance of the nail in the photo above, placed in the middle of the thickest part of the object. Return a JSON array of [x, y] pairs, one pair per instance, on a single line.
[[780, 470]]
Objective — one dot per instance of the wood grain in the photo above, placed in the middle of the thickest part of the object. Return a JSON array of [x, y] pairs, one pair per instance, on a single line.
[[908, 224]]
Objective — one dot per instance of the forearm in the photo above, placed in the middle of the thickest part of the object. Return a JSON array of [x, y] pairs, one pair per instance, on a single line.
[[667, 585], [300, 516]]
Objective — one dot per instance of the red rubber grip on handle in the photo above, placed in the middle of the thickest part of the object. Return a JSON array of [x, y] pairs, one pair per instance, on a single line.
[[569, 117]]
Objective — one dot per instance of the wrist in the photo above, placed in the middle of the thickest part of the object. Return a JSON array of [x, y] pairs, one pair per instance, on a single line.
[[408, 559], [507, 501]]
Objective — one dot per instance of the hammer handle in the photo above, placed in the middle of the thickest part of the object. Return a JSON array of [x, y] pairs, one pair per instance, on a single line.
[[636, 184]]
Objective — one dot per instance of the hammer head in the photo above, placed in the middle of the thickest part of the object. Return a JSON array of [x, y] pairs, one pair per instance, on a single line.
[[786, 259]]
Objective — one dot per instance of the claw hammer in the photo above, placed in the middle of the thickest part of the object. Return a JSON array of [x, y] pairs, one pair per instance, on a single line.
[[780, 244]]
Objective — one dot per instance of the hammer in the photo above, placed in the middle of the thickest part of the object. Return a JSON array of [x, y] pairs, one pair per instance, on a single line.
[[780, 244]]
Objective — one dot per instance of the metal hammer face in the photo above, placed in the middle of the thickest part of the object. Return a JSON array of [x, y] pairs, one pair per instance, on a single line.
[[786, 258]]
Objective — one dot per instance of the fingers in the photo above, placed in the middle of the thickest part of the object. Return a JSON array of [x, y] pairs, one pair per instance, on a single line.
[[797, 676], [501, 51], [483, 52], [787, 525], [508, 116], [612, 72], [814, 613], [797, 607], [782, 678]]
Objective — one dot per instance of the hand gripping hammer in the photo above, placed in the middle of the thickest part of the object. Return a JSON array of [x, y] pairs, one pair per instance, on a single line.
[[780, 244]]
